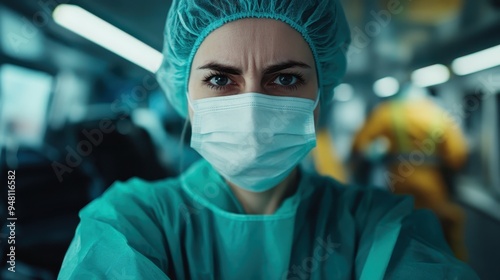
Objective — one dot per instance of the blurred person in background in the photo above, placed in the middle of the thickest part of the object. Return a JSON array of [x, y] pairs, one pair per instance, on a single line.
[[418, 142]]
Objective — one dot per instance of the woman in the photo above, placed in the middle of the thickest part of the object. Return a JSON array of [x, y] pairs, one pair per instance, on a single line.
[[251, 76]]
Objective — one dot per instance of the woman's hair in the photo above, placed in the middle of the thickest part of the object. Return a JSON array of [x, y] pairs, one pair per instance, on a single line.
[[321, 23]]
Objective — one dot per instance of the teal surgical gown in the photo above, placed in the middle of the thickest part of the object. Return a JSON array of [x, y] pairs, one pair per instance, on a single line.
[[193, 227]]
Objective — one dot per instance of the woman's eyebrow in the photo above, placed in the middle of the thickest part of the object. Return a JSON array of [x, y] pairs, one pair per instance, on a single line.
[[285, 65], [268, 70], [221, 68]]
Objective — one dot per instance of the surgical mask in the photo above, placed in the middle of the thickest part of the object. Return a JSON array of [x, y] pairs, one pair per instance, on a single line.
[[253, 140]]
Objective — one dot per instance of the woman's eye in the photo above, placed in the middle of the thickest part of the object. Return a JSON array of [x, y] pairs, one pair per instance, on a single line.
[[219, 80], [285, 80]]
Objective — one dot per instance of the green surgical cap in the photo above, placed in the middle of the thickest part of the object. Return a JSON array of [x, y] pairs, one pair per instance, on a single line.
[[321, 23]]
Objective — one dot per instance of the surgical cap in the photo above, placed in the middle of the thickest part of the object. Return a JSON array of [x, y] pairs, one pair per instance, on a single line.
[[321, 23]]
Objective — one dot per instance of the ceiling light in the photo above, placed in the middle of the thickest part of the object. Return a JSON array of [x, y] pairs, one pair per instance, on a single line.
[[386, 87], [477, 61], [108, 36], [430, 75], [343, 92]]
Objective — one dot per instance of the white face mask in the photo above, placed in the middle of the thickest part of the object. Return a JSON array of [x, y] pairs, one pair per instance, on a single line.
[[253, 140]]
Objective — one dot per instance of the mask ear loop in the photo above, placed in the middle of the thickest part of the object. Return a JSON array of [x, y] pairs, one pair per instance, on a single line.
[[181, 145], [317, 99], [183, 135], [190, 102]]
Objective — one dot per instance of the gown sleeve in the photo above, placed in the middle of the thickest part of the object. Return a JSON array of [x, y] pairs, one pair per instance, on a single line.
[[119, 237], [398, 242]]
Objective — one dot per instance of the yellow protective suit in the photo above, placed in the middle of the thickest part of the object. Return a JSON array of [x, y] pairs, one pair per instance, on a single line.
[[422, 139]]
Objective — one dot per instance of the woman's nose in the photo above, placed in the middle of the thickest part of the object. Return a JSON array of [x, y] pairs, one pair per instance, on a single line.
[[253, 85]]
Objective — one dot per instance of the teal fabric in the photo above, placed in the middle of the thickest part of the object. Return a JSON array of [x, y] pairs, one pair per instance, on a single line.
[[321, 23], [193, 227]]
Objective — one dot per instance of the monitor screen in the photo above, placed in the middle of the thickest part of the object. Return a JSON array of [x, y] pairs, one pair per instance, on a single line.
[[24, 98]]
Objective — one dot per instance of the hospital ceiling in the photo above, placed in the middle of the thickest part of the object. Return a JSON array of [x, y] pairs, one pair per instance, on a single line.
[[385, 40]]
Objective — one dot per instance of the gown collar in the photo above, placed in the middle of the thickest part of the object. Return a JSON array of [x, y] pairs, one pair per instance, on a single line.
[[209, 190]]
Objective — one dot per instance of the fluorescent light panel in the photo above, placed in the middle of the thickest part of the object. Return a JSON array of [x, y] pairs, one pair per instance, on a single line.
[[430, 75], [386, 87], [108, 36], [477, 61]]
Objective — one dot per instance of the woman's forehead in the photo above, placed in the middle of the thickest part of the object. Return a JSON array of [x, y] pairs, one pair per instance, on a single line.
[[253, 42]]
